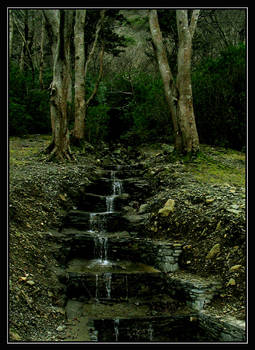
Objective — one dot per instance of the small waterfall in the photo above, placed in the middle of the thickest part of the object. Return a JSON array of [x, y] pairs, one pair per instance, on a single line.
[[116, 184], [108, 280], [97, 222], [96, 294], [150, 332], [109, 203], [126, 280], [116, 328], [116, 189], [100, 249]]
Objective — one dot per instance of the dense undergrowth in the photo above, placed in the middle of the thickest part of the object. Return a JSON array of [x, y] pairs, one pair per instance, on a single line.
[[130, 106]]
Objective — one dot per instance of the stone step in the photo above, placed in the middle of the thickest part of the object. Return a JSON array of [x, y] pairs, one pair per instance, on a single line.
[[120, 174], [102, 186], [197, 291], [92, 202], [122, 167], [177, 328], [72, 243], [136, 187], [161, 304], [102, 221], [113, 286]]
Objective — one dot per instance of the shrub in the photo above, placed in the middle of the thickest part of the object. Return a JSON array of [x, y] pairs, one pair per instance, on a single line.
[[219, 87], [28, 105]]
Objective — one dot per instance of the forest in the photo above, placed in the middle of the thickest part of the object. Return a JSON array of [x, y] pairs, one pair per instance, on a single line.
[[127, 175], [115, 91]]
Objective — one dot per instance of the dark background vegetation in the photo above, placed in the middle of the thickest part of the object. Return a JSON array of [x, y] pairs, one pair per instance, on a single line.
[[130, 106]]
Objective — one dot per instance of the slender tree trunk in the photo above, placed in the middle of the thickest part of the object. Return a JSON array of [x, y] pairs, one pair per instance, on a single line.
[[10, 33], [42, 54], [178, 94], [185, 111], [59, 25], [166, 74], [79, 84]]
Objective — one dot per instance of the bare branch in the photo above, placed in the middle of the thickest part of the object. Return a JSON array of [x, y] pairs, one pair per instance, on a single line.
[[98, 28], [24, 41]]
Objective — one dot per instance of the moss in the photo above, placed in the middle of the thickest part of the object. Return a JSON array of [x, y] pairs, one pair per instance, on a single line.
[[218, 166]]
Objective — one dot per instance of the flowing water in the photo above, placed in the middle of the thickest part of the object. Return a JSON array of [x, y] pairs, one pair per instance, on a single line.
[[116, 189]]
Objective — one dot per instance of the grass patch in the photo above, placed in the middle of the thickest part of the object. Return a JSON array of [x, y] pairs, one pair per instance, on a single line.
[[219, 166]]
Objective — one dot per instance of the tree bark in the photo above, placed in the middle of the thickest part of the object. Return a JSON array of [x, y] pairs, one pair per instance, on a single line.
[[185, 111], [166, 74], [42, 54], [58, 26], [178, 94], [81, 68], [79, 84], [10, 33]]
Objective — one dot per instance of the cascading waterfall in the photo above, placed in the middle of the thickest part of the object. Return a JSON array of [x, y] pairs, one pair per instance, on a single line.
[[117, 190], [97, 225], [150, 332], [116, 328], [97, 222], [96, 296], [108, 280], [100, 250]]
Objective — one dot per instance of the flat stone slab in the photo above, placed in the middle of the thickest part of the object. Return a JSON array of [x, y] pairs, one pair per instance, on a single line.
[[108, 280], [101, 221], [147, 329], [223, 328], [196, 290]]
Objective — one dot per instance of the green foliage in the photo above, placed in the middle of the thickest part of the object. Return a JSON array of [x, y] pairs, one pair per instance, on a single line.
[[28, 105], [148, 110], [219, 87], [138, 111], [97, 118], [97, 123]]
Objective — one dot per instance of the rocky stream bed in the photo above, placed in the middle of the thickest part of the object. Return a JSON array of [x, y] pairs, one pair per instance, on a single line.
[[200, 203]]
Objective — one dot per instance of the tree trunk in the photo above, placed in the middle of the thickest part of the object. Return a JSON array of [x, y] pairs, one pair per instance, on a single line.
[[185, 112], [42, 54], [81, 68], [59, 25], [79, 84], [179, 94], [166, 74], [10, 33]]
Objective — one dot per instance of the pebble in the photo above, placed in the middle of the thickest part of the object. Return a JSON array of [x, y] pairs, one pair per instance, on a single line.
[[60, 328]]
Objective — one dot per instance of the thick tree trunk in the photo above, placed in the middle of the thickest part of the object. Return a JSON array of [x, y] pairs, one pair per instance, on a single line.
[[59, 25], [185, 112], [179, 94], [79, 84]]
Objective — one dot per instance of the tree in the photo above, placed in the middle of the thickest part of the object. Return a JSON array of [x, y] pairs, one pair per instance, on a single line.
[[59, 28], [178, 91], [10, 33], [81, 69]]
